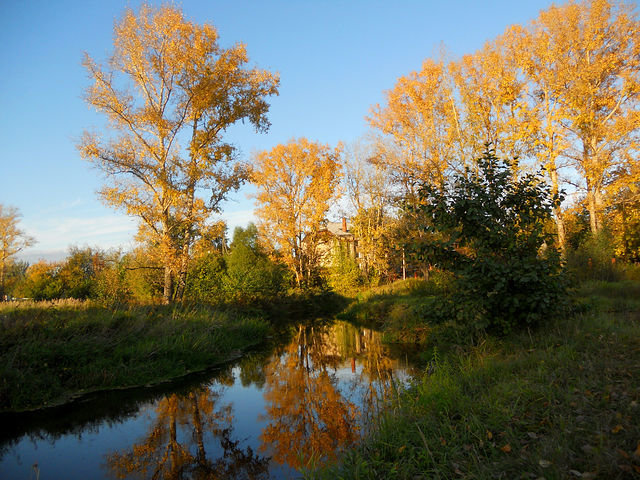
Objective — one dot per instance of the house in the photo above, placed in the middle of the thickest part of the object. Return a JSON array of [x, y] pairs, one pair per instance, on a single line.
[[336, 234]]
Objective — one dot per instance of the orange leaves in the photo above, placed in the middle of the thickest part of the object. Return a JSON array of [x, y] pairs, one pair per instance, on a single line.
[[617, 429], [169, 81], [420, 117], [296, 183]]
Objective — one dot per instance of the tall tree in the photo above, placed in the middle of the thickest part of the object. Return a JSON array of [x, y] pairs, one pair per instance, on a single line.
[[421, 118], [170, 93], [369, 191], [595, 76], [12, 241], [492, 104], [536, 56], [295, 184]]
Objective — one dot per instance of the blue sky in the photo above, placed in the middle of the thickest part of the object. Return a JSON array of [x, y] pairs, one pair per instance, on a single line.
[[335, 60]]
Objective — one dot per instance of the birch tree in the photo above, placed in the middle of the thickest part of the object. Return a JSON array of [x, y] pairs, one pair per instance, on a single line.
[[12, 241], [170, 92], [594, 75], [295, 184]]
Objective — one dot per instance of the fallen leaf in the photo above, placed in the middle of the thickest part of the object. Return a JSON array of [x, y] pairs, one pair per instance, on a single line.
[[636, 468], [637, 452], [401, 449], [544, 463], [443, 442], [617, 429], [623, 453], [489, 435], [506, 448]]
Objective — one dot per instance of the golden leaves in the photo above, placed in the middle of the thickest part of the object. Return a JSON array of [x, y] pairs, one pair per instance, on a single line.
[[295, 184], [169, 80]]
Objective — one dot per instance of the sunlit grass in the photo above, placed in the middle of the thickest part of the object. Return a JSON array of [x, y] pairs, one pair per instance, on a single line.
[[560, 402], [50, 351]]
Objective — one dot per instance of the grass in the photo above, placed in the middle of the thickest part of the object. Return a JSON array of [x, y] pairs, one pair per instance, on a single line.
[[51, 352], [561, 402]]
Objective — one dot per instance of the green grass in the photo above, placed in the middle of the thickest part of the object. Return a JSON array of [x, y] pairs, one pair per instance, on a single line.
[[51, 352], [561, 402]]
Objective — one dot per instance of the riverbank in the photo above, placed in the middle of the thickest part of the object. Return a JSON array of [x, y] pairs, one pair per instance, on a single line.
[[559, 402], [51, 352]]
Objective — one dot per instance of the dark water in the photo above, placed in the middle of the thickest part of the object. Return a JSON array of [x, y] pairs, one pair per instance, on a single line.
[[271, 414]]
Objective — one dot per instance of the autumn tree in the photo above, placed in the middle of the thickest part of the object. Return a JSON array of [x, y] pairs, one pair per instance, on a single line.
[[421, 118], [587, 59], [170, 92], [295, 184], [12, 241], [492, 100], [369, 192]]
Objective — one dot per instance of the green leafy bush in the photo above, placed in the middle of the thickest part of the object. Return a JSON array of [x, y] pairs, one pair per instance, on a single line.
[[592, 259], [488, 227], [251, 275], [345, 275]]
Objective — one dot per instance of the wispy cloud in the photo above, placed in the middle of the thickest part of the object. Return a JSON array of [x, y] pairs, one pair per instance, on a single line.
[[54, 236], [61, 232]]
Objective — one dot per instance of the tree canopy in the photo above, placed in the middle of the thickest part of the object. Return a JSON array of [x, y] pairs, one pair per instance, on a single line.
[[170, 92]]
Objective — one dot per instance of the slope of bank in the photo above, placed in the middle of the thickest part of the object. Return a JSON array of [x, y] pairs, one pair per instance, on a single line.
[[559, 402], [52, 352]]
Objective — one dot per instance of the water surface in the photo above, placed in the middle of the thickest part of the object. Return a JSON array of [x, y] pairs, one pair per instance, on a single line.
[[270, 414]]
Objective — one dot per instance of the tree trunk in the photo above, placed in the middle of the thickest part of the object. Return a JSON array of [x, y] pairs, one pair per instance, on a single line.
[[184, 265], [592, 205], [167, 294], [2, 274], [557, 211]]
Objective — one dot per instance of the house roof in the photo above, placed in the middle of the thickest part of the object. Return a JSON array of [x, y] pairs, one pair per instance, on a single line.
[[335, 228]]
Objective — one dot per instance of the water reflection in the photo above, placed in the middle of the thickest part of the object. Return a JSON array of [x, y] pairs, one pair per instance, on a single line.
[[308, 416], [174, 447], [272, 414]]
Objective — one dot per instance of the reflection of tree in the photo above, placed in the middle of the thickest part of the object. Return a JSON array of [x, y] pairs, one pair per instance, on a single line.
[[252, 369], [376, 381], [309, 419], [162, 454]]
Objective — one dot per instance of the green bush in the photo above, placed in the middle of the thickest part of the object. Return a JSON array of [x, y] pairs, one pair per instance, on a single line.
[[245, 275], [593, 259], [344, 274], [205, 279], [488, 228]]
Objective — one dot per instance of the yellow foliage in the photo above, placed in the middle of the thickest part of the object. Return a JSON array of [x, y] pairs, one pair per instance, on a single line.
[[170, 91], [295, 184]]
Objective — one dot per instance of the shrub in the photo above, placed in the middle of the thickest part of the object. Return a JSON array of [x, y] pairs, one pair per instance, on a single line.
[[488, 227], [344, 274], [592, 259]]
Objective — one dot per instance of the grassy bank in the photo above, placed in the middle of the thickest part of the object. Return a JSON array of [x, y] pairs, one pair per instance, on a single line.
[[50, 352], [560, 402]]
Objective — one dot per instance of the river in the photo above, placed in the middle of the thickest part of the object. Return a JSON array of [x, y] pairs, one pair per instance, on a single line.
[[271, 414]]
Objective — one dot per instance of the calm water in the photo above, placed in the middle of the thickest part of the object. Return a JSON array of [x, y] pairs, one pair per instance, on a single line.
[[268, 415]]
